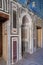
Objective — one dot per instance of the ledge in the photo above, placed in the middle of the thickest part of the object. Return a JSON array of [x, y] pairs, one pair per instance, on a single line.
[[4, 15]]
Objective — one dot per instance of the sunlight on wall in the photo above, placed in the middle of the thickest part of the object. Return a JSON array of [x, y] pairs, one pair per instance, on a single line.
[[5, 41]]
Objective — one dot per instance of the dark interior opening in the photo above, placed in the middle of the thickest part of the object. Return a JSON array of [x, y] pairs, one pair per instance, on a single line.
[[2, 20], [38, 36], [38, 27]]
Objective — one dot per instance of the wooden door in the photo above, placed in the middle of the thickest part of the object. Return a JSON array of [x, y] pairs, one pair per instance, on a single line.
[[39, 37]]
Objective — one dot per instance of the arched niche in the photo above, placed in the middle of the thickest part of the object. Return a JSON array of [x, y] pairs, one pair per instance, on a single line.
[[26, 32], [29, 24]]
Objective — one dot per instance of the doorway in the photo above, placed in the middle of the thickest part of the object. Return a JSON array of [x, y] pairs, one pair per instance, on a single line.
[[3, 41], [39, 36], [25, 35]]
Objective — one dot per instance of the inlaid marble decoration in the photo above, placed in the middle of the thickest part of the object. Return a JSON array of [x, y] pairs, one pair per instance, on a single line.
[[14, 49], [14, 19]]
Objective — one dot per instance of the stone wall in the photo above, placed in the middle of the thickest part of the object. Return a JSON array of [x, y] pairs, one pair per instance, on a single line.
[[5, 41], [36, 22]]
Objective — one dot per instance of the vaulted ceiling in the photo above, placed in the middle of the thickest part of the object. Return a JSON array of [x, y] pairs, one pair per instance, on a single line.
[[35, 6]]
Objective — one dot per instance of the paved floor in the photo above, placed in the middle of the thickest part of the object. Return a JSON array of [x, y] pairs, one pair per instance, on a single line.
[[2, 62], [34, 59]]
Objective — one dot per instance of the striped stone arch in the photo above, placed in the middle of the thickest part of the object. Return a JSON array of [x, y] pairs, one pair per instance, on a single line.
[[27, 16], [26, 20]]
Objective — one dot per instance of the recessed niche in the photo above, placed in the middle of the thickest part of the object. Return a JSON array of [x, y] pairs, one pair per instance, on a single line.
[[14, 19]]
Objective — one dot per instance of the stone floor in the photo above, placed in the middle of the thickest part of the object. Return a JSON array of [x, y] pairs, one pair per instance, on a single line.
[[2, 62], [34, 59]]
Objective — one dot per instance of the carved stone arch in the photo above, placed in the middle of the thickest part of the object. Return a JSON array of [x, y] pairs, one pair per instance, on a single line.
[[30, 46], [26, 32], [27, 16], [25, 21]]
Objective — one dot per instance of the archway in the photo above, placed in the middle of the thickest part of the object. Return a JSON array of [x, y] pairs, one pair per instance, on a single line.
[[3, 38], [26, 33]]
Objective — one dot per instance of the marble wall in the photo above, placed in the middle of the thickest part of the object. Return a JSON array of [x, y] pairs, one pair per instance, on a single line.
[[33, 22]]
